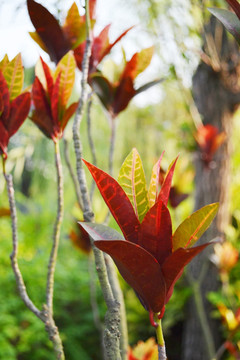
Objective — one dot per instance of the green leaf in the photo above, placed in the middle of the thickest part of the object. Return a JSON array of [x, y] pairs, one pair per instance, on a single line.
[[67, 67], [191, 229], [132, 180], [13, 73], [229, 20]]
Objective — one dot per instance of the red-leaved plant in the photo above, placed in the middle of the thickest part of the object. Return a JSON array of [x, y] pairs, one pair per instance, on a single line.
[[57, 40], [53, 38], [209, 139], [149, 257], [115, 96], [51, 93], [14, 105]]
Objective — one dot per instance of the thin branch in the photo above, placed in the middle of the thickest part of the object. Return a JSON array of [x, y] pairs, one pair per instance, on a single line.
[[56, 233], [118, 295], [111, 332], [46, 314], [87, 212], [72, 173], [93, 295], [90, 140], [18, 276]]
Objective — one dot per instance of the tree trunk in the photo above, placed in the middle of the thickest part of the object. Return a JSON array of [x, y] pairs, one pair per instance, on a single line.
[[216, 96]]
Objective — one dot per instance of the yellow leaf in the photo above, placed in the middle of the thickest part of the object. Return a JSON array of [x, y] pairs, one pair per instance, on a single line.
[[4, 63], [67, 67], [132, 180], [38, 40], [191, 229], [13, 73], [74, 27]]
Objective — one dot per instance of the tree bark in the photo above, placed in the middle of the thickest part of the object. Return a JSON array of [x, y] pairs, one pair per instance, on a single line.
[[216, 95]]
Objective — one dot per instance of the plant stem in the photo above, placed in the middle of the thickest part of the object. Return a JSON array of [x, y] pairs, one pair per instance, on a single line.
[[90, 140], [56, 232], [14, 261], [72, 174], [160, 340], [118, 295], [111, 331], [43, 315], [93, 297]]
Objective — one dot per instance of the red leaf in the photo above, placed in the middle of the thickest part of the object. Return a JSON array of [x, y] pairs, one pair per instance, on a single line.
[[156, 232], [166, 186], [49, 30], [55, 100], [39, 98], [5, 97], [68, 114], [48, 76], [173, 267], [100, 43], [44, 122], [92, 9], [139, 269], [110, 46], [130, 68], [176, 197], [18, 113], [124, 93], [4, 138], [79, 53], [118, 203]]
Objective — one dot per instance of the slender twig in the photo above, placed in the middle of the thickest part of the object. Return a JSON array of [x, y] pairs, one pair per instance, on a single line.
[[18, 276], [56, 232], [118, 295], [93, 295], [45, 316], [88, 214], [112, 316], [72, 173], [90, 139], [111, 332]]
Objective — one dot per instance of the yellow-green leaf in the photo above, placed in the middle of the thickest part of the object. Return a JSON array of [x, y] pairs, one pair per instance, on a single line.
[[34, 35], [132, 180], [13, 73], [191, 229], [143, 59], [154, 183], [74, 27], [3, 63], [67, 67]]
